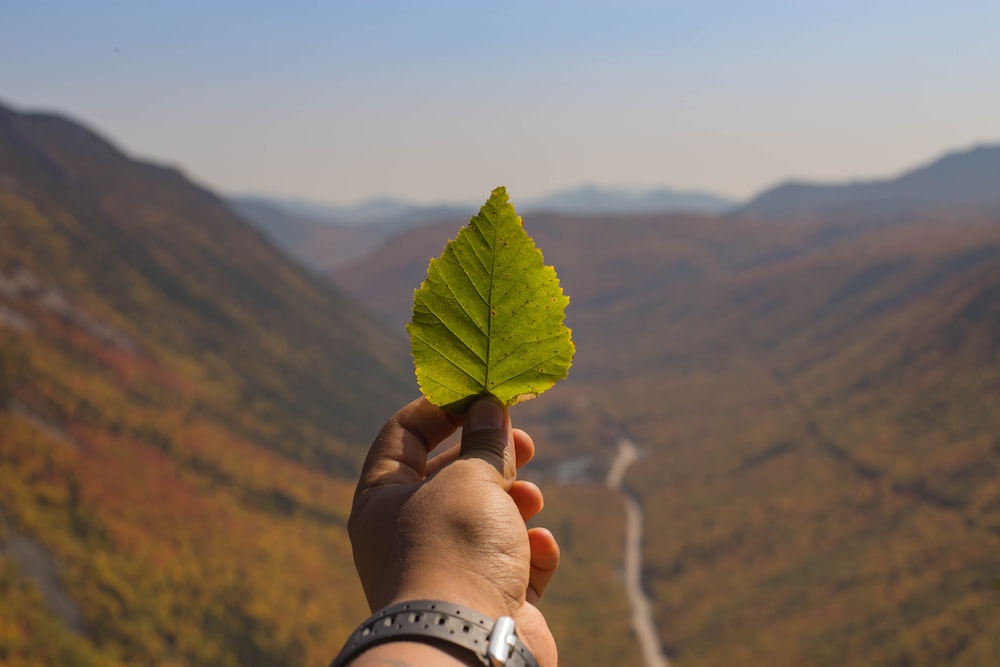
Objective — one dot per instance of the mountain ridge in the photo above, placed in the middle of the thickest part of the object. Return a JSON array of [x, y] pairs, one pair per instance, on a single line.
[[961, 178], [957, 179], [324, 237], [600, 200], [321, 243], [61, 166], [582, 199]]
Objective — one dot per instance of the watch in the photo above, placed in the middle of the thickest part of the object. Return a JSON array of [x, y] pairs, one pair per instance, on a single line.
[[494, 644]]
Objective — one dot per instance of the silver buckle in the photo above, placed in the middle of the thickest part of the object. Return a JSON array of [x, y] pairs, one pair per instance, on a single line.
[[501, 641]]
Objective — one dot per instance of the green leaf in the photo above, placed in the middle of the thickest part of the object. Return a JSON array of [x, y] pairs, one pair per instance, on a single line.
[[488, 320]]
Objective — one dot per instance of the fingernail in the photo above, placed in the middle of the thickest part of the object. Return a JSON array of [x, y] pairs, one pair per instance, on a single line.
[[486, 414]]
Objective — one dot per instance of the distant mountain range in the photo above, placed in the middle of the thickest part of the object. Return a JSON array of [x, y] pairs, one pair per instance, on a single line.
[[327, 237], [324, 237], [963, 179], [597, 200], [381, 210], [584, 200]]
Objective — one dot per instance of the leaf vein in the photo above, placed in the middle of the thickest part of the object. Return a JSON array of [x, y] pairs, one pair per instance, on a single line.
[[447, 359]]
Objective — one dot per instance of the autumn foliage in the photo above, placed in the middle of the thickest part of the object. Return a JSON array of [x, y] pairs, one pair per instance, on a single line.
[[183, 409], [181, 412]]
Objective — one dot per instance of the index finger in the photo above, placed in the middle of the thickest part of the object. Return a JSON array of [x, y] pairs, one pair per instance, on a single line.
[[399, 453]]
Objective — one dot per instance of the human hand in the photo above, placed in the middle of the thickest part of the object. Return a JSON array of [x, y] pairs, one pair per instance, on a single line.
[[452, 528]]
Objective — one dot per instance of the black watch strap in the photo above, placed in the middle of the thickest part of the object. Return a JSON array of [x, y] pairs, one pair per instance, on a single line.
[[440, 623]]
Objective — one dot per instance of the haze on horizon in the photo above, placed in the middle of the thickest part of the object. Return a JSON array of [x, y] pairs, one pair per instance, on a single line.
[[440, 101]]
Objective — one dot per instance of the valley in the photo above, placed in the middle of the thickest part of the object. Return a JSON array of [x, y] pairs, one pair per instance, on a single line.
[[817, 402], [813, 381]]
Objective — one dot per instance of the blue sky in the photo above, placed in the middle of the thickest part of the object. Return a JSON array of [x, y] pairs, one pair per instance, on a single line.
[[441, 101]]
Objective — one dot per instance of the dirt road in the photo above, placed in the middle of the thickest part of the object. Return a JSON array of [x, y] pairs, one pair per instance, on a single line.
[[642, 610]]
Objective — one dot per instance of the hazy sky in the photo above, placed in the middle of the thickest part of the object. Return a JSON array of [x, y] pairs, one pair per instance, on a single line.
[[441, 101]]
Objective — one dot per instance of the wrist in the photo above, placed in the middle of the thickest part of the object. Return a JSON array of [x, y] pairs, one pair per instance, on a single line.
[[479, 594], [463, 635], [489, 606]]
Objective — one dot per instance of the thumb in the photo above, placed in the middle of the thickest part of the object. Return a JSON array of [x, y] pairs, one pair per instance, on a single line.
[[487, 435]]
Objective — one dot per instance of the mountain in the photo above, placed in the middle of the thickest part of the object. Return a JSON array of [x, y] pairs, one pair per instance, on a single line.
[[394, 214], [378, 208], [324, 237], [963, 179], [594, 200], [317, 244], [182, 413], [375, 210], [212, 287], [816, 406]]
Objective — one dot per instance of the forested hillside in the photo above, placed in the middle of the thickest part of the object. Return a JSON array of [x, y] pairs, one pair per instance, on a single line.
[[182, 412], [816, 402]]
